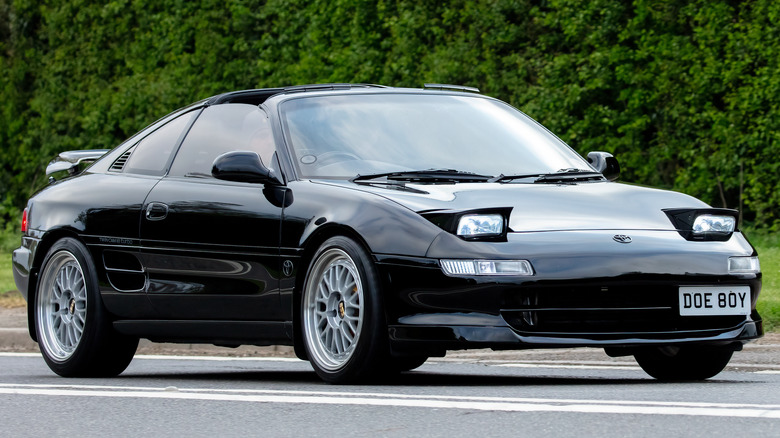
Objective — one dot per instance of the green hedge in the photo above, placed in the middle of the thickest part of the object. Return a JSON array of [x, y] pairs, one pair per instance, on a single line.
[[684, 93]]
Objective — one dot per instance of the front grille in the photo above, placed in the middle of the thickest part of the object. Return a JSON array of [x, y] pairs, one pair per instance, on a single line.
[[604, 309]]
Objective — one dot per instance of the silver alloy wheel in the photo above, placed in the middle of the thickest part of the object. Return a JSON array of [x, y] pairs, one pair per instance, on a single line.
[[62, 306], [333, 309]]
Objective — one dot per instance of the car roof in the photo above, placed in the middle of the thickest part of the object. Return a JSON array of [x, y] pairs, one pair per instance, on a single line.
[[260, 95]]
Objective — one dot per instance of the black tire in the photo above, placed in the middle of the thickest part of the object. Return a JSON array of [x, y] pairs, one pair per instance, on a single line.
[[342, 319], [683, 363], [74, 330]]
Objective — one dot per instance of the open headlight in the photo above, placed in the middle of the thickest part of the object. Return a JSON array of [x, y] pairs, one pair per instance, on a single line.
[[483, 225], [704, 224], [710, 223], [478, 225]]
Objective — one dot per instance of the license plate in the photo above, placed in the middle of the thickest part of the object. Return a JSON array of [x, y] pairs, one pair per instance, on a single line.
[[714, 300]]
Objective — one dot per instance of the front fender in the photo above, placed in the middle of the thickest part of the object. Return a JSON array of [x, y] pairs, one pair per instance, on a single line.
[[384, 225]]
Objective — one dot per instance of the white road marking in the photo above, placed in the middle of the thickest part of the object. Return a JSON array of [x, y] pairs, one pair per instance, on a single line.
[[570, 366], [168, 357], [551, 364], [404, 400], [217, 358]]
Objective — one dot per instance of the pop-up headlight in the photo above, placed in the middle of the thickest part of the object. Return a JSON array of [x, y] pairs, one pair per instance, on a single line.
[[478, 225], [710, 223], [482, 225], [704, 224]]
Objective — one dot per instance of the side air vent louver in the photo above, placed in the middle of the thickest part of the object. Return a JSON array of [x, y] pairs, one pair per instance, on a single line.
[[120, 162]]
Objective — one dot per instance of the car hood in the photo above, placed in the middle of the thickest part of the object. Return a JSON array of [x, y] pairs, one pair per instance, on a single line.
[[547, 207]]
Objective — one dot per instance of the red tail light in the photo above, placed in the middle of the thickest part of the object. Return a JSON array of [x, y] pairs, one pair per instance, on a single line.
[[24, 221]]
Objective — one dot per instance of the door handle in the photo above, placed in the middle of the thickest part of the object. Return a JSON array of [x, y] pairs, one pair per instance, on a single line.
[[156, 211]]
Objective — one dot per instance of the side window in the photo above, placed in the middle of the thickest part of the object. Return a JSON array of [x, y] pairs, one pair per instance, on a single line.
[[220, 129], [151, 155]]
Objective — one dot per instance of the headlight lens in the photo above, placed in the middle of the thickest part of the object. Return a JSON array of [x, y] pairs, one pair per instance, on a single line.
[[709, 223], [487, 267], [474, 225], [744, 265]]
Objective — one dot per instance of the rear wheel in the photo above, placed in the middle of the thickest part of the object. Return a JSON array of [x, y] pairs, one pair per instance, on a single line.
[[344, 330], [683, 363], [74, 331]]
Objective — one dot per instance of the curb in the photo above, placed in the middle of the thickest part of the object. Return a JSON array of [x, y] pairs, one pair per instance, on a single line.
[[763, 354]]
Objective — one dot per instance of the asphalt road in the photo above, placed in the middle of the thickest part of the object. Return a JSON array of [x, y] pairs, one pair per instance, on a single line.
[[224, 396]]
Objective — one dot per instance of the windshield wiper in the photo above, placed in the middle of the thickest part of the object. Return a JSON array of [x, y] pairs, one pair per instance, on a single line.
[[427, 175], [566, 175], [570, 175]]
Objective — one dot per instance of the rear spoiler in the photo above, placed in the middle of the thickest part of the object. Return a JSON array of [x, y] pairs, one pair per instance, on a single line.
[[71, 161]]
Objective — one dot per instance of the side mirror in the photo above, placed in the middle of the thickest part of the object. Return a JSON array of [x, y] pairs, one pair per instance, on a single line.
[[243, 166], [605, 163]]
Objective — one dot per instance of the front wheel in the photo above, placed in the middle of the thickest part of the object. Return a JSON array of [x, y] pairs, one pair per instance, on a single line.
[[684, 362], [74, 331], [344, 330]]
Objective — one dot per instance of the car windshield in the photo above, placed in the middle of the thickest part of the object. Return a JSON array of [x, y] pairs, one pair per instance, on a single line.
[[343, 136]]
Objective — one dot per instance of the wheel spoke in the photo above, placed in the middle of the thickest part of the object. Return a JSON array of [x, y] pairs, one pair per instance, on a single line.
[[78, 329], [348, 331], [344, 276], [79, 291], [62, 331], [353, 301], [352, 323], [69, 338], [80, 321], [323, 293], [62, 305], [331, 340], [332, 309], [58, 287], [332, 281]]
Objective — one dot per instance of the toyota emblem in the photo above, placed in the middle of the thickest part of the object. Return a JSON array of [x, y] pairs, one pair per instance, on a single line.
[[621, 238]]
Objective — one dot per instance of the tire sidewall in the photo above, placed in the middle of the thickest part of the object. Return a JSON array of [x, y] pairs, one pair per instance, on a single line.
[[95, 318], [371, 348], [689, 363]]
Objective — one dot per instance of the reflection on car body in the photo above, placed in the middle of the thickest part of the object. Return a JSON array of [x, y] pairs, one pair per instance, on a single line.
[[372, 228]]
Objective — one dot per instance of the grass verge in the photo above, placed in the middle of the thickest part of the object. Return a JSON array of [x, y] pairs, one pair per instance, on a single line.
[[768, 247], [9, 296]]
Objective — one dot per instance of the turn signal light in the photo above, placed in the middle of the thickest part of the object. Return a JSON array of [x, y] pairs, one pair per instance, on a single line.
[[487, 267]]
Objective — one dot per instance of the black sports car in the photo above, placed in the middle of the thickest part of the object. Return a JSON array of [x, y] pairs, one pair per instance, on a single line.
[[371, 228]]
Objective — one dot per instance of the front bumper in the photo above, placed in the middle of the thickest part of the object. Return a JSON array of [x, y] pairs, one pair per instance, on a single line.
[[436, 339], [587, 291]]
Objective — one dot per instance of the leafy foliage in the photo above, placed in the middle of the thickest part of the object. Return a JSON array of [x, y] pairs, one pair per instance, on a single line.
[[685, 93]]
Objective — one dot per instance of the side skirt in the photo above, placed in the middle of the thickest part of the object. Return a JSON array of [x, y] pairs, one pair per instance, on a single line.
[[227, 333]]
